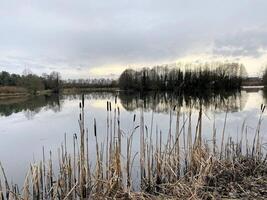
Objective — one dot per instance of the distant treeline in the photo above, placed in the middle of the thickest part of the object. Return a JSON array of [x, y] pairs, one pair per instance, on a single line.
[[184, 78], [32, 82], [178, 78], [90, 83]]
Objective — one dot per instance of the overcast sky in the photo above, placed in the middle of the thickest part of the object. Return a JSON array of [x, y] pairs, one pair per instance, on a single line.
[[83, 38]]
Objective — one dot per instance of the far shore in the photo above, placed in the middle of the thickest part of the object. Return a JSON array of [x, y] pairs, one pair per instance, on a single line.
[[17, 92]]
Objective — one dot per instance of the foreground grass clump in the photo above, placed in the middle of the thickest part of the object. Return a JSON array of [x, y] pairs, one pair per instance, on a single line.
[[221, 180], [182, 167]]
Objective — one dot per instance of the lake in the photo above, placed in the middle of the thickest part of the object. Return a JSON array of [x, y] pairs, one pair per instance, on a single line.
[[28, 124]]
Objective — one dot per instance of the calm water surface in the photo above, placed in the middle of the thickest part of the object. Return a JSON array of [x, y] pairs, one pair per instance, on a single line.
[[28, 124]]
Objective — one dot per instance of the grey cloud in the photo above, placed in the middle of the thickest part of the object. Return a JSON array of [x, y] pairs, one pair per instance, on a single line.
[[84, 34], [243, 43]]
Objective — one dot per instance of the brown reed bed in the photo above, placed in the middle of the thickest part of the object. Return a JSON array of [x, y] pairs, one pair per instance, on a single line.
[[183, 167]]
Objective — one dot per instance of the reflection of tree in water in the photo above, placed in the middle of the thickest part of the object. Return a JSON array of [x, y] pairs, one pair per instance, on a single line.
[[29, 114], [30, 106], [264, 94], [161, 102], [91, 95]]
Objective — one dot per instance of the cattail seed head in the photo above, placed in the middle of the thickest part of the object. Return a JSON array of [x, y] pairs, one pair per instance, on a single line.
[[95, 127]]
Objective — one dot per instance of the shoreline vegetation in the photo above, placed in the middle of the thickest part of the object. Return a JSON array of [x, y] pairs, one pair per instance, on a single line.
[[20, 92], [14, 85], [17, 92], [184, 166], [181, 78]]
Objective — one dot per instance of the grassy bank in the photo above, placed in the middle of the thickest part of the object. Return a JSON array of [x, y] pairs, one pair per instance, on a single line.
[[184, 166], [17, 92], [12, 91]]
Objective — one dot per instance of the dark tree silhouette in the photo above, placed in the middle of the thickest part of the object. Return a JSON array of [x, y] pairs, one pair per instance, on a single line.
[[222, 76], [32, 82]]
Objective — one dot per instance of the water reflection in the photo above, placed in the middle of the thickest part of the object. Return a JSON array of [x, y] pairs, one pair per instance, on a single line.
[[264, 93], [159, 102], [90, 96], [48, 128], [30, 105]]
